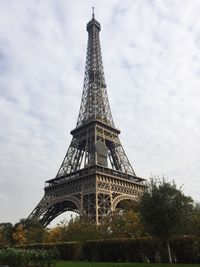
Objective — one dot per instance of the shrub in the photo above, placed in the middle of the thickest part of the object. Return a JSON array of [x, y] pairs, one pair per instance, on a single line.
[[184, 250], [23, 258], [65, 250], [121, 250], [69, 251]]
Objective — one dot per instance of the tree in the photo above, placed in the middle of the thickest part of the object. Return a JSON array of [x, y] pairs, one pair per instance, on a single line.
[[6, 230], [55, 234], [124, 222], [77, 229], [192, 223], [80, 229], [162, 208], [19, 235], [196, 220], [34, 230], [30, 231], [133, 226]]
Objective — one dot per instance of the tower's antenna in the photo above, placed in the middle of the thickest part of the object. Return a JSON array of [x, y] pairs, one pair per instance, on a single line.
[[93, 12]]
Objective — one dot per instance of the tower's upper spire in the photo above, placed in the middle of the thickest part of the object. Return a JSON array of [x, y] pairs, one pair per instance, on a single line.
[[94, 104], [93, 22], [93, 12]]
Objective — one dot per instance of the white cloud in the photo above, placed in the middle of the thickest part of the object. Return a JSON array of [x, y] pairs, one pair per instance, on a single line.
[[152, 66]]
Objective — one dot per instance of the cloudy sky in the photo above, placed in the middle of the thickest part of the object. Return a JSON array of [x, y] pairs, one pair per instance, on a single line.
[[151, 55]]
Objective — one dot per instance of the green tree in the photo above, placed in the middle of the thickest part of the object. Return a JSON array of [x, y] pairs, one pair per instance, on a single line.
[[163, 208], [196, 220], [124, 222], [192, 223], [80, 229], [133, 226], [33, 231]]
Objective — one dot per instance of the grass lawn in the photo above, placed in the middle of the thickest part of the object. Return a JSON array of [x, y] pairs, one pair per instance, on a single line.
[[97, 264]]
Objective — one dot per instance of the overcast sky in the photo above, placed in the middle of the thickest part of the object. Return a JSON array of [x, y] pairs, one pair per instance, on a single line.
[[151, 56]]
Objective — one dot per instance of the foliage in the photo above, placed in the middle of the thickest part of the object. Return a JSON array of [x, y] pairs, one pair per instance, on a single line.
[[119, 250], [19, 235], [192, 223], [56, 234], [34, 231], [77, 229], [71, 251], [163, 209], [23, 232], [133, 250], [186, 249], [124, 222], [6, 230], [80, 229], [23, 258], [27, 231]]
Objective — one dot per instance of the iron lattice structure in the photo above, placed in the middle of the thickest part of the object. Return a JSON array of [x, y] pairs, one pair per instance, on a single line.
[[95, 174]]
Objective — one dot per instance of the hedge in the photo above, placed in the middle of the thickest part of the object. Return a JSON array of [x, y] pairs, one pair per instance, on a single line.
[[119, 250], [66, 250], [184, 250], [14, 257]]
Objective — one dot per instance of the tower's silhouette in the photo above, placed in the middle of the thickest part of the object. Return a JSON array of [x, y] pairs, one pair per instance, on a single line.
[[95, 174]]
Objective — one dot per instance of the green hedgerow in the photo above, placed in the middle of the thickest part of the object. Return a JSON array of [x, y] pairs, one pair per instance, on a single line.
[[27, 258]]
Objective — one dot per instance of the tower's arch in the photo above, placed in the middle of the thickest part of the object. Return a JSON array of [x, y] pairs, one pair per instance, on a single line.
[[47, 211], [122, 198]]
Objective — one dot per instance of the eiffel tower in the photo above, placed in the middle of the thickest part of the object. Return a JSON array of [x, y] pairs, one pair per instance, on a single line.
[[95, 175]]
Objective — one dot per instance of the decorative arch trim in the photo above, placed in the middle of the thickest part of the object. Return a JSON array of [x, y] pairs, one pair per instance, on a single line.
[[72, 199], [124, 197]]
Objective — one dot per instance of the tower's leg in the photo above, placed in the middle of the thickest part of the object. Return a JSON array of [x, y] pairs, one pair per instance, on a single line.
[[104, 205]]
